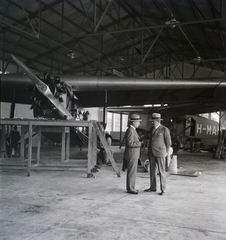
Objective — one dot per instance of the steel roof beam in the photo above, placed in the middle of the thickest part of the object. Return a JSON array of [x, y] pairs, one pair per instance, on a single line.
[[149, 27]]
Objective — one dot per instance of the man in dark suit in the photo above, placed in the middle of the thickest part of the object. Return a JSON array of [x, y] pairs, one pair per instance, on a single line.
[[132, 153], [160, 142]]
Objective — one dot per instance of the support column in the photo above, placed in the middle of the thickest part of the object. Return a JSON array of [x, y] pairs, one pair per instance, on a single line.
[[3, 141], [67, 143], [90, 150], [39, 145], [29, 150], [22, 142], [63, 145]]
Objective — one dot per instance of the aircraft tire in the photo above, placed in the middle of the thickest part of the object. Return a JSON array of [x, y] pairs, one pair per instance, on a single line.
[[175, 145]]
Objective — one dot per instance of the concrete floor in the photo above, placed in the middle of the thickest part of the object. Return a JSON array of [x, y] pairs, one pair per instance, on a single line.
[[68, 205]]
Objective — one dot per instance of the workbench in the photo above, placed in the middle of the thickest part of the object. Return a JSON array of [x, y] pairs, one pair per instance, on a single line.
[[43, 125]]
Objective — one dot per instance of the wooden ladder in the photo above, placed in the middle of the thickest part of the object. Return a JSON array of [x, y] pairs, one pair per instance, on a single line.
[[220, 148], [97, 127], [82, 136]]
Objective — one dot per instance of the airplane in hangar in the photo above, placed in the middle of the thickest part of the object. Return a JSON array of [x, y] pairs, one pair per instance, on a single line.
[[188, 132], [59, 97]]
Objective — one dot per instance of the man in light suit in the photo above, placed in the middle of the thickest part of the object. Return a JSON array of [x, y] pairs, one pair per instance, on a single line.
[[132, 153], [160, 142]]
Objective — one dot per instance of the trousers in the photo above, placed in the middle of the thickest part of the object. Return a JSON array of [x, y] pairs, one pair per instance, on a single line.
[[157, 164], [131, 174]]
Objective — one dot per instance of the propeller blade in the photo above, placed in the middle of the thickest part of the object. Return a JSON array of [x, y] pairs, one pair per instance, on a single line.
[[70, 90], [43, 88]]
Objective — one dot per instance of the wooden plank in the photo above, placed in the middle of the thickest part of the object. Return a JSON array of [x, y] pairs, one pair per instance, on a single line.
[[106, 147], [54, 129], [90, 151], [67, 143], [188, 174], [222, 144], [63, 141], [38, 122], [29, 150], [39, 145], [3, 141], [13, 163], [22, 143], [220, 147], [94, 148]]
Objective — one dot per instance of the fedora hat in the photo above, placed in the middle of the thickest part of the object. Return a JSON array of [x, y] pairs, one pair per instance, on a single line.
[[134, 117], [155, 116]]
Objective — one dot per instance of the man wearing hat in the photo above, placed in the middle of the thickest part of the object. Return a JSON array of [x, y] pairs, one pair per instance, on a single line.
[[132, 153], [160, 142]]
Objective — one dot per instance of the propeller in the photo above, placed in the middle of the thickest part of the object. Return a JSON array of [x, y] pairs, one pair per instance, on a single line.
[[43, 88]]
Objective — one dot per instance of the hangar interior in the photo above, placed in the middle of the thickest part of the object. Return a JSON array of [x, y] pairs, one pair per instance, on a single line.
[[112, 58], [136, 38], [177, 46], [156, 40], [182, 40]]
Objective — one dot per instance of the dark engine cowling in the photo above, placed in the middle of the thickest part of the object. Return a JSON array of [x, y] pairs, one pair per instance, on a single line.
[[43, 108]]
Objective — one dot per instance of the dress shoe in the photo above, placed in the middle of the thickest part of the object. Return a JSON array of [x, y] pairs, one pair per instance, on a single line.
[[133, 192], [162, 192], [150, 190]]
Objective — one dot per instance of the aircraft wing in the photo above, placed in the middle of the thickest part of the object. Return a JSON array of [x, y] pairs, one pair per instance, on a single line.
[[184, 96], [170, 101]]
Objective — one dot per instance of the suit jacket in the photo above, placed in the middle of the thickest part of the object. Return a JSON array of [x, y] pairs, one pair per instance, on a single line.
[[160, 141], [132, 149]]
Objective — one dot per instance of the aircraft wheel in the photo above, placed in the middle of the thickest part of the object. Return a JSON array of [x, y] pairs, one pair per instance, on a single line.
[[147, 165], [175, 145]]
